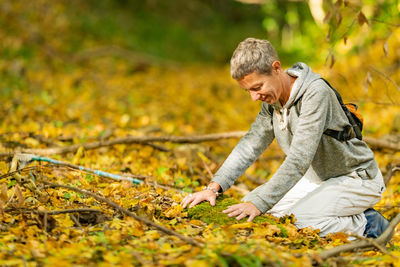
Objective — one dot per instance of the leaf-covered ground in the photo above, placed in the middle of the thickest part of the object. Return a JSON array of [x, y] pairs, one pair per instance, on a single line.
[[50, 98]]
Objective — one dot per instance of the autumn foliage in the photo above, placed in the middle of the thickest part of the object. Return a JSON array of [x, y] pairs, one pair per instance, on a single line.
[[53, 96]]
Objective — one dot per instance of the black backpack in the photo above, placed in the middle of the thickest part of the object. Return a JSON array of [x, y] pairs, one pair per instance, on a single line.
[[353, 115]]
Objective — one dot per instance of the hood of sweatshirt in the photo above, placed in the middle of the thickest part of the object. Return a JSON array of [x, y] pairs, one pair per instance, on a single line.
[[305, 76]]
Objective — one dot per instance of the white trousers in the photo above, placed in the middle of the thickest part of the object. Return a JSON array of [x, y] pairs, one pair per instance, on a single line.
[[335, 205]]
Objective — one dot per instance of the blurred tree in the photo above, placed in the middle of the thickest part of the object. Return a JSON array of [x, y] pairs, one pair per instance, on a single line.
[[363, 23], [291, 26], [303, 28]]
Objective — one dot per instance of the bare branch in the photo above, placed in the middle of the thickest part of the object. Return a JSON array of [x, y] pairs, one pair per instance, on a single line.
[[382, 240], [386, 77], [391, 170], [52, 212], [377, 143], [135, 140], [145, 140]]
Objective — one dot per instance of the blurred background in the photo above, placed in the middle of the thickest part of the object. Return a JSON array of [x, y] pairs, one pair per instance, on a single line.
[[76, 71]]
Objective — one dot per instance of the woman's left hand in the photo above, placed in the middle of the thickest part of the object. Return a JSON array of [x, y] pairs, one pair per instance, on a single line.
[[243, 210]]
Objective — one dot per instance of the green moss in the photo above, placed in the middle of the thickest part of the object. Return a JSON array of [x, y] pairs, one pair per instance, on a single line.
[[209, 214]]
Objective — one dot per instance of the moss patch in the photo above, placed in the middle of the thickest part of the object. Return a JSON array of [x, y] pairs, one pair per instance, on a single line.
[[209, 214]]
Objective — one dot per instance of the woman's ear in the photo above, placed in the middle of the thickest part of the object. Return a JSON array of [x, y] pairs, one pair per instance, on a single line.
[[276, 66]]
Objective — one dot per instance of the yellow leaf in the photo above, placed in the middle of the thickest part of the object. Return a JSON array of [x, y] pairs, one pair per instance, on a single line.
[[153, 234], [196, 263], [78, 155], [203, 157], [116, 223], [196, 222], [111, 258], [267, 230], [242, 225], [20, 197], [173, 212], [3, 194], [31, 142]]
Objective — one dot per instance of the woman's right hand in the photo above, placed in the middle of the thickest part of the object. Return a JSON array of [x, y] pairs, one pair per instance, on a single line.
[[198, 197]]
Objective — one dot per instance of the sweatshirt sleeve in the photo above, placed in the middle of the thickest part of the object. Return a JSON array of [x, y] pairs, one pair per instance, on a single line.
[[250, 146], [311, 125]]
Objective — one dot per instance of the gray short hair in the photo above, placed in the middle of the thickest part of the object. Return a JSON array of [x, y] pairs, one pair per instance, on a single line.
[[252, 55]]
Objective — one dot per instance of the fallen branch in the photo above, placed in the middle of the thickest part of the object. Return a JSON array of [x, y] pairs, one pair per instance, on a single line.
[[158, 147], [381, 241], [146, 140], [381, 144], [132, 140], [126, 212], [11, 173], [53, 212], [373, 242]]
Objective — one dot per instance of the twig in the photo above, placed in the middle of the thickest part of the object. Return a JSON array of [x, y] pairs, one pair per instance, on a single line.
[[165, 187], [133, 140], [386, 23], [386, 77], [390, 173], [207, 168], [158, 147], [127, 212], [381, 240], [372, 241], [72, 216], [18, 171], [45, 221], [54, 212]]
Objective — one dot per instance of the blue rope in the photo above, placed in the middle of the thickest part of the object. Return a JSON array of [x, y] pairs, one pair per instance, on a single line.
[[100, 173]]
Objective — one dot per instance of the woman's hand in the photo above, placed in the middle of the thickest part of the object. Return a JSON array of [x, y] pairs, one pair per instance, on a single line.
[[198, 197], [209, 193], [243, 210]]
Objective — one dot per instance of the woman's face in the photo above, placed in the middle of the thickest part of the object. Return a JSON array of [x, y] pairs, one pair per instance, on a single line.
[[263, 87]]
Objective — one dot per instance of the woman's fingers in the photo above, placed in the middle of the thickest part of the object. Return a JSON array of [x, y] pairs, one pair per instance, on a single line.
[[231, 208], [187, 200], [196, 198], [242, 210], [196, 201], [241, 216], [251, 217], [212, 200], [235, 212]]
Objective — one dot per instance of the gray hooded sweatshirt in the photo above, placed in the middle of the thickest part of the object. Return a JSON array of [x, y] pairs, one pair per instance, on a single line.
[[298, 127]]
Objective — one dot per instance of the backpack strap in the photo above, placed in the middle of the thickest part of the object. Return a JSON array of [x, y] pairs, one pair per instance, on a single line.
[[349, 131], [270, 109]]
